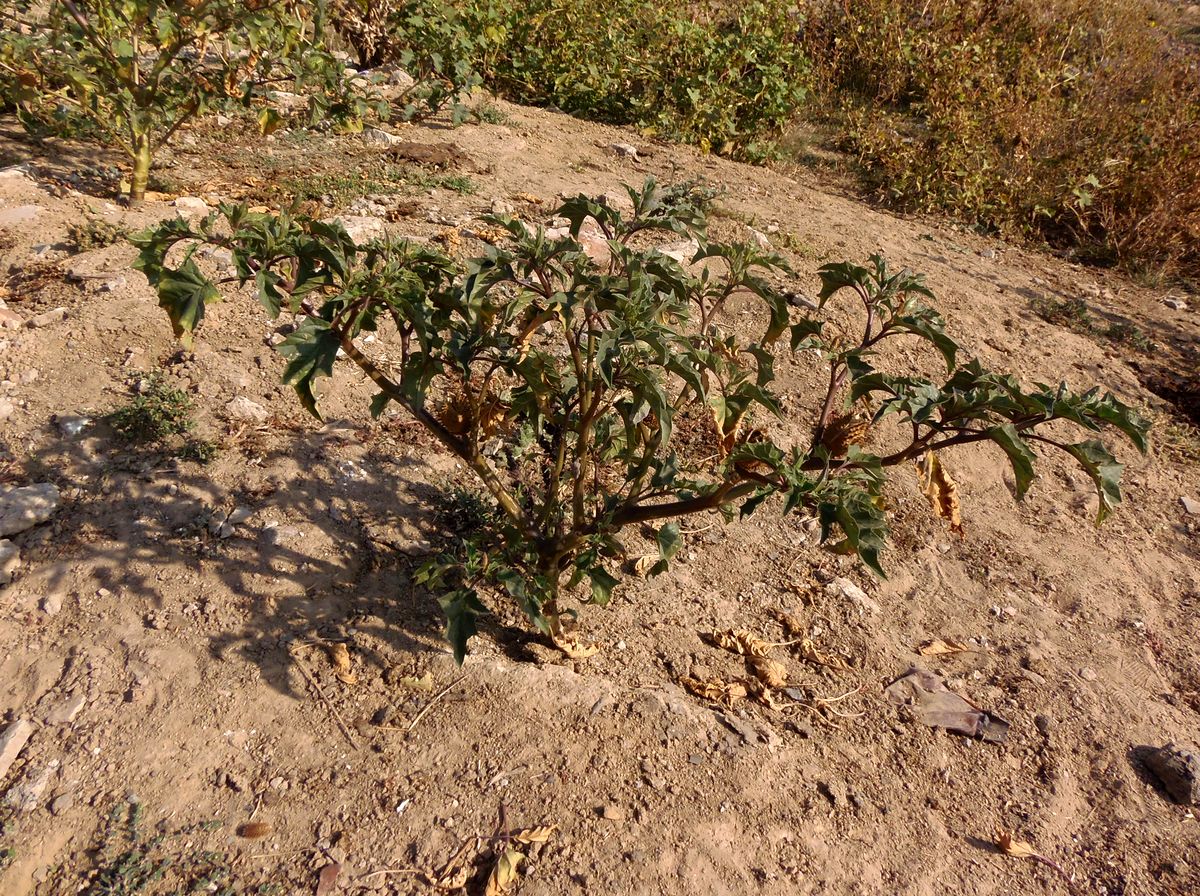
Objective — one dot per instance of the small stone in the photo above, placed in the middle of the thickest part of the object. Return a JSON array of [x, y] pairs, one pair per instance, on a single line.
[[1087, 674], [187, 206], [274, 534], [613, 812], [625, 150], [988, 253], [243, 410], [51, 604], [1175, 304], [6, 409], [10, 320], [240, 515], [1190, 505], [62, 803], [10, 560], [1045, 724], [26, 794], [834, 791], [70, 427], [46, 318], [1178, 768], [379, 137], [361, 228], [683, 251], [850, 591], [12, 742], [65, 712], [27, 506], [28, 377]]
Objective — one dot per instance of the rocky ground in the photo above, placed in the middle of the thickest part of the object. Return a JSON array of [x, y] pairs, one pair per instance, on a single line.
[[221, 675]]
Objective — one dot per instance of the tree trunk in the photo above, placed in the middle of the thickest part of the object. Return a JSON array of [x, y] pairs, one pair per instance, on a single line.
[[141, 168]]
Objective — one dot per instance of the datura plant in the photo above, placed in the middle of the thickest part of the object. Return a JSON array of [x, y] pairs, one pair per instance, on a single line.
[[571, 383]]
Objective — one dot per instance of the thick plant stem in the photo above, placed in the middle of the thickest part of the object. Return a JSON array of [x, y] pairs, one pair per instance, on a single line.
[[141, 168]]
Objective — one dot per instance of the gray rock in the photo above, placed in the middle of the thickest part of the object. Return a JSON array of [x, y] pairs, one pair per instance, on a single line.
[[72, 426], [26, 794], [47, 318], [65, 712], [847, 589], [10, 320], [362, 228], [52, 604], [1178, 768], [740, 727], [243, 410], [6, 409], [62, 803], [187, 206], [613, 812], [683, 251], [624, 150], [1175, 304], [274, 534], [1190, 505], [379, 137], [12, 742], [10, 559], [27, 506]]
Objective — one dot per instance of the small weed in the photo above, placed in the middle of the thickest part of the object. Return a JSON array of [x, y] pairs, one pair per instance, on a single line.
[[157, 411], [201, 451], [94, 233], [1131, 335], [7, 853], [1070, 313], [1178, 438], [459, 183], [461, 511], [487, 113]]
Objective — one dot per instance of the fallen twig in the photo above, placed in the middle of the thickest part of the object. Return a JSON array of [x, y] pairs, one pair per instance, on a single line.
[[328, 703], [434, 699]]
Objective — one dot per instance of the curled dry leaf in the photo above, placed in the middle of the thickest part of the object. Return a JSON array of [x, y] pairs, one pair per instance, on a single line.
[[574, 648], [1018, 849], [808, 650], [715, 689], [454, 874], [254, 830], [424, 683], [339, 655], [540, 834], [771, 673], [642, 565], [505, 873], [792, 626], [940, 490], [942, 647], [739, 641]]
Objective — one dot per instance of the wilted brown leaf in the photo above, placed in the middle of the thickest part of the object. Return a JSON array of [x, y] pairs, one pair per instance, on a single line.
[[792, 626], [739, 641], [540, 834], [808, 650], [1018, 849], [505, 873], [339, 655], [761, 692], [254, 830], [454, 874], [574, 648], [715, 689], [843, 431], [642, 565], [942, 647], [327, 879], [770, 672], [940, 490]]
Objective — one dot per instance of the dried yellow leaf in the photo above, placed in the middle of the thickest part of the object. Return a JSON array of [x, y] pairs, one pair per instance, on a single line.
[[761, 692], [505, 873], [454, 874], [642, 565], [540, 834], [808, 650], [940, 490], [942, 647], [792, 626], [339, 655], [770, 672], [739, 641], [715, 689], [574, 648], [1018, 849], [843, 431]]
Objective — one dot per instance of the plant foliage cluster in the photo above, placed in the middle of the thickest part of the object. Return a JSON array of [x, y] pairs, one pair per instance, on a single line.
[[1076, 121], [564, 382]]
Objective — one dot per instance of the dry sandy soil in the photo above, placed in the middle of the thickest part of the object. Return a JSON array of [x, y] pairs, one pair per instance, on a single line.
[[181, 686]]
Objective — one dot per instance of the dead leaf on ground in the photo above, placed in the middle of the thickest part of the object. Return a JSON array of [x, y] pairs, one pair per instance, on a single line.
[[327, 879], [540, 834], [574, 647], [943, 647], [1018, 849], [808, 650], [725, 692], [505, 874], [339, 655], [792, 626], [762, 692], [424, 683], [454, 874], [770, 672], [527, 197], [940, 490], [642, 565], [739, 641], [254, 830]]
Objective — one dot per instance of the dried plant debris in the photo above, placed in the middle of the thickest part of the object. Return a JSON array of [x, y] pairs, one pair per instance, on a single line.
[[1007, 843], [935, 705], [944, 647], [940, 490], [339, 655], [739, 641], [715, 689], [771, 673]]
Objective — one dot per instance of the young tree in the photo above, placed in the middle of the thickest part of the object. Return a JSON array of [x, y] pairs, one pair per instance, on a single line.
[[138, 70], [563, 382]]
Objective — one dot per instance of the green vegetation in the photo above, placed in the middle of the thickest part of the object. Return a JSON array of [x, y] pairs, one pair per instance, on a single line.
[[94, 233], [563, 382], [1072, 121], [157, 412]]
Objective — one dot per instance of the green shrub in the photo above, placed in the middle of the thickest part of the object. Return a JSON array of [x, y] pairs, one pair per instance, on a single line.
[[564, 384], [157, 411], [1074, 121]]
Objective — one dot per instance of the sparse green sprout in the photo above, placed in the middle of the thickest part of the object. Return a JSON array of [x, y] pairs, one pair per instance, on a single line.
[[158, 411], [564, 379]]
